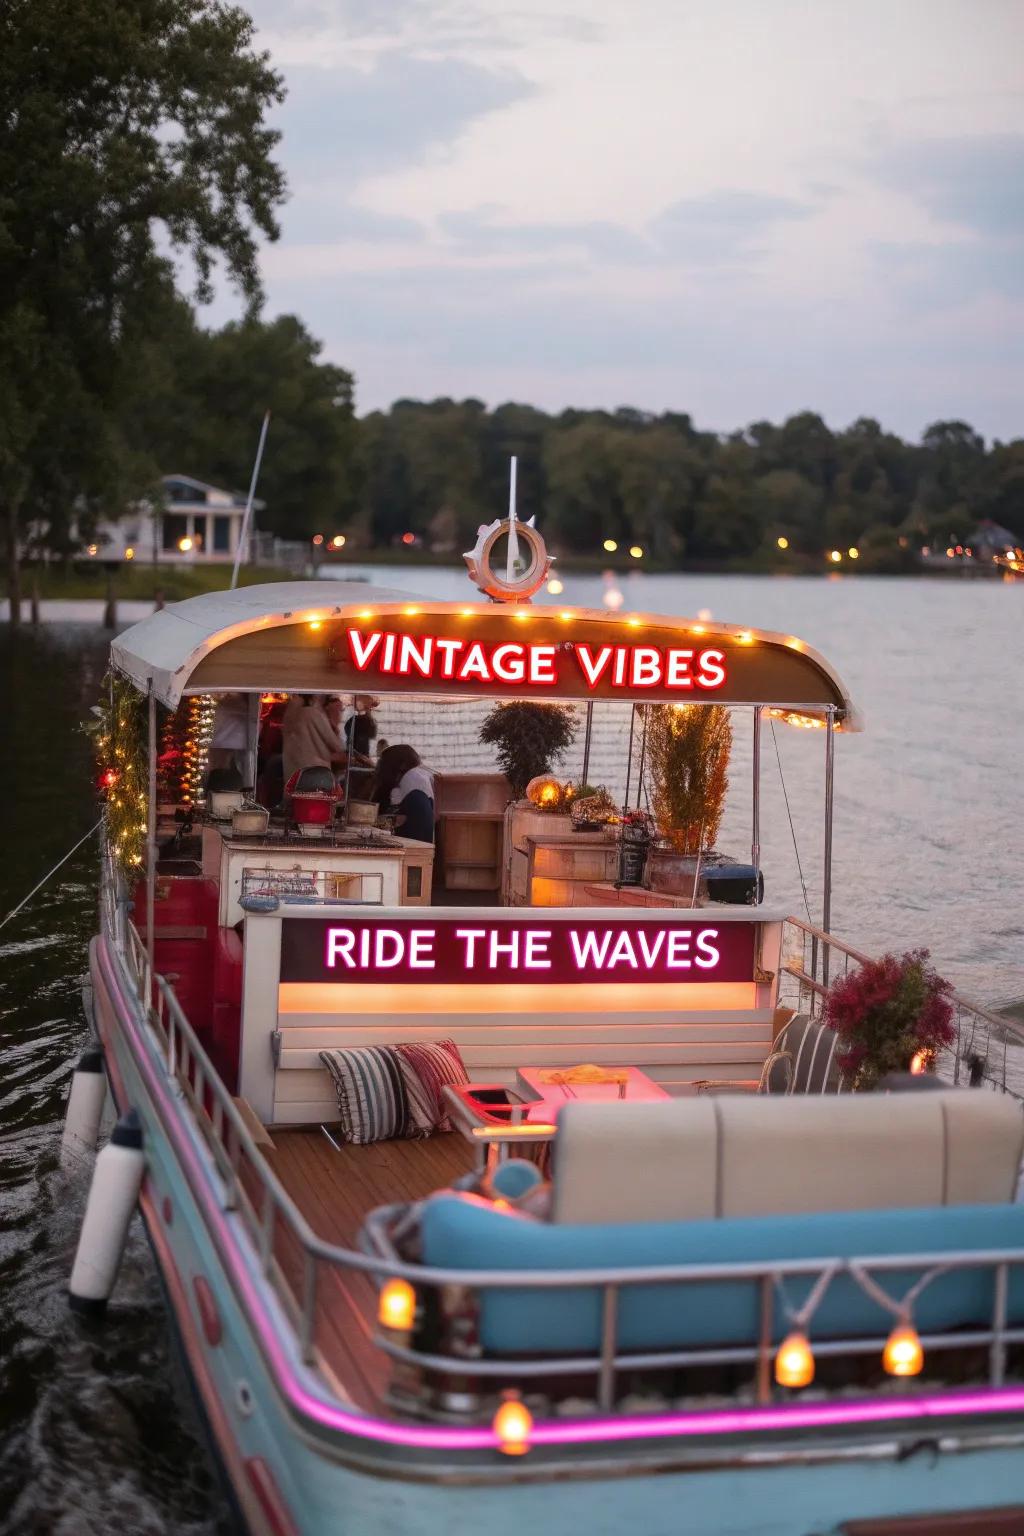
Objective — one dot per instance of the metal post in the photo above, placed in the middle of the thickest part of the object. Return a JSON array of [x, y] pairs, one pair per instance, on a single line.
[[586, 741], [609, 1328], [755, 829], [252, 734], [826, 898], [629, 758], [244, 533], [643, 759], [151, 835]]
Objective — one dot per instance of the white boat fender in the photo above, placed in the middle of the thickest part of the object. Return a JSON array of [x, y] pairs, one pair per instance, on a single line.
[[113, 1194], [85, 1108]]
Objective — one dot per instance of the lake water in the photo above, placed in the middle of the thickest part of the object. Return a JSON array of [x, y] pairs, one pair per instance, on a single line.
[[96, 1431]]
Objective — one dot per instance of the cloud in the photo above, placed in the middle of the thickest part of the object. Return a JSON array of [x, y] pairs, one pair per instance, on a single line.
[[723, 225], [478, 230], [352, 123], [976, 183]]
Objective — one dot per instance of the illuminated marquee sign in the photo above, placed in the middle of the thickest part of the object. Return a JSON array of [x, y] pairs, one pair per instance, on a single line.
[[532, 949], [441, 658]]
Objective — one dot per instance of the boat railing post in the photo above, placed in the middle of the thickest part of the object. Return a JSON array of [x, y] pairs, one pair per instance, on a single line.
[[958, 1048], [267, 1229], [826, 898], [764, 1342], [997, 1351], [755, 818], [609, 1329], [308, 1320], [151, 833]]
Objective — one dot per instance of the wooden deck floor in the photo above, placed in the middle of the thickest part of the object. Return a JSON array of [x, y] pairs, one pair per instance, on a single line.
[[335, 1189]]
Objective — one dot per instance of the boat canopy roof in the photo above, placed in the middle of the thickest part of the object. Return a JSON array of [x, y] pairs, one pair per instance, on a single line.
[[343, 637]]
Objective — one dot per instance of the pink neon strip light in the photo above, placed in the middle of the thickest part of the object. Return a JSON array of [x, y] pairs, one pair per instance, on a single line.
[[740, 1421]]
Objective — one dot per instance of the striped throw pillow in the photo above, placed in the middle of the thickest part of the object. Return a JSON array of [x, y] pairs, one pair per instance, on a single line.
[[371, 1092], [426, 1069]]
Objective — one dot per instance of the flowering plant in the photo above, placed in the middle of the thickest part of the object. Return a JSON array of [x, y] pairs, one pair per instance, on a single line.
[[886, 1013]]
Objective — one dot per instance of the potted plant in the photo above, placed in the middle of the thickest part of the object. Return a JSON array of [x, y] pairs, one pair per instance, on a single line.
[[688, 749], [530, 738], [887, 1013]]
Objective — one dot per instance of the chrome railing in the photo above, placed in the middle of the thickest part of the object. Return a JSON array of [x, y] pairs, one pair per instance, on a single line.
[[988, 1049], [295, 1261]]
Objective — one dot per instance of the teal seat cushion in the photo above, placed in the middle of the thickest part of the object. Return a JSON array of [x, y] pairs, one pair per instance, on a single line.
[[463, 1233]]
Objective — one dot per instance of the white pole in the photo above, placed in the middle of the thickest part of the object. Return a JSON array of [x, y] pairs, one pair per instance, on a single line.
[[513, 538], [243, 535]]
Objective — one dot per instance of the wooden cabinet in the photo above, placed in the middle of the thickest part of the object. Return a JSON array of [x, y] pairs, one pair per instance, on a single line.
[[470, 813], [559, 870], [470, 850]]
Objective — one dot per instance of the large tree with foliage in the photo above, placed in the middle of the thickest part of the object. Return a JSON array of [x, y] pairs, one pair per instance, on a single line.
[[127, 128], [222, 382]]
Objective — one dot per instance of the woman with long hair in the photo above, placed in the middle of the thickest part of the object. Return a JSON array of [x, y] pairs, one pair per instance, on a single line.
[[403, 786]]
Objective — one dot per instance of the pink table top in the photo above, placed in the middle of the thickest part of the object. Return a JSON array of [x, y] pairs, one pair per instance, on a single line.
[[552, 1096]]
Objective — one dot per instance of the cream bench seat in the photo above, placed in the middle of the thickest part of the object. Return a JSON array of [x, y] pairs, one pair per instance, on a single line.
[[699, 1158]]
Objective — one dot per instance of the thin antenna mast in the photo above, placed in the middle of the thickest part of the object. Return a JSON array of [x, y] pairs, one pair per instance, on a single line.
[[512, 558], [243, 534]]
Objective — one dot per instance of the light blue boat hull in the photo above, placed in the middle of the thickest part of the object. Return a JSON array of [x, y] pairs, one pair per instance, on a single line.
[[291, 1475]]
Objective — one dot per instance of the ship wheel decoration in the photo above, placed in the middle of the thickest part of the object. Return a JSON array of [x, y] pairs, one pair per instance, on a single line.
[[527, 561]]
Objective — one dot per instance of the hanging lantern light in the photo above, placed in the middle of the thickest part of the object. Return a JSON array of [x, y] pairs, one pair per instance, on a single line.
[[794, 1361], [513, 1425], [396, 1306], [903, 1355]]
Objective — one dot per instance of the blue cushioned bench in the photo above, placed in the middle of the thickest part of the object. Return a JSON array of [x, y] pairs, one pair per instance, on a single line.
[[464, 1233]]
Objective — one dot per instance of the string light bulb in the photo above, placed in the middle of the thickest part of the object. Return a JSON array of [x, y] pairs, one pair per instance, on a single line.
[[396, 1306], [794, 1361], [513, 1425], [903, 1355]]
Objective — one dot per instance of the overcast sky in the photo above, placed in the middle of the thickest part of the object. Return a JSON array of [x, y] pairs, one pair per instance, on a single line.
[[736, 208]]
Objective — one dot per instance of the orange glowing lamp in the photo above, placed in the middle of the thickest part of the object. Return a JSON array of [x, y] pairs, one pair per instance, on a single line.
[[903, 1355], [513, 1425], [794, 1362], [396, 1306]]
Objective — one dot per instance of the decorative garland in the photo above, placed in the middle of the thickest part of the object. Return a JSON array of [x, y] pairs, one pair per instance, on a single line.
[[121, 743]]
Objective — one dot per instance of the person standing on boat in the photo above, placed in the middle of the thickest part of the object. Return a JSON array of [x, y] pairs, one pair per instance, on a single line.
[[308, 738], [360, 728], [230, 739], [403, 786]]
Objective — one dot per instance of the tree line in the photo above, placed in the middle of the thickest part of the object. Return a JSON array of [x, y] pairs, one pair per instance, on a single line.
[[135, 163]]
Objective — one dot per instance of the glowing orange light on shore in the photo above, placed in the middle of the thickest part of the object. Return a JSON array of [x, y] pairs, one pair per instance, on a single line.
[[408, 538], [835, 556], [396, 1306], [903, 1355], [610, 546], [318, 538], [794, 1362], [919, 1063], [636, 551], [782, 542], [186, 544], [853, 552], [129, 553], [513, 1425], [338, 542], [93, 549]]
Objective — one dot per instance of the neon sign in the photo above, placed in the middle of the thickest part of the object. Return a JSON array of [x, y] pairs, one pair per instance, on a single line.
[[464, 949], [451, 659]]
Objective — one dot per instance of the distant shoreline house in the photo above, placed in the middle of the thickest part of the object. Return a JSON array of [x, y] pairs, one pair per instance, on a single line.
[[195, 524]]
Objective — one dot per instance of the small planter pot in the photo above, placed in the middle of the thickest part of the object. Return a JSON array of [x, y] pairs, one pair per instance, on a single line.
[[671, 873]]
